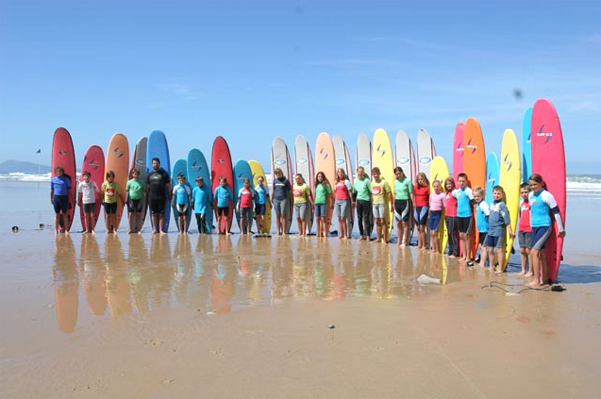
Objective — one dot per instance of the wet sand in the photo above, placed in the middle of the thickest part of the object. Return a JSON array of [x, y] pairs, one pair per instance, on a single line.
[[239, 317]]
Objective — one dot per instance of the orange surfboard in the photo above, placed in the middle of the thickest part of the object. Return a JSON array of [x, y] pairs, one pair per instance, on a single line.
[[117, 160], [474, 164], [325, 162]]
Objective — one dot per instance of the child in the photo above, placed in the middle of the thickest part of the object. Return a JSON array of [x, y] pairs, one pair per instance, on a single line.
[[222, 201], [280, 200], [450, 219], [134, 195], [262, 194], [381, 193], [525, 230], [245, 205], [542, 204], [362, 191], [201, 199], [465, 198], [497, 222], [342, 194], [436, 204], [323, 202], [60, 191], [422, 198], [182, 197], [482, 215], [302, 195], [403, 198], [111, 192], [87, 191]]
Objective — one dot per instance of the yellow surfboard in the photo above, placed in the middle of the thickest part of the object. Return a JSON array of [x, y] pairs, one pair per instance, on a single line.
[[440, 171], [383, 158], [509, 178], [257, 170]]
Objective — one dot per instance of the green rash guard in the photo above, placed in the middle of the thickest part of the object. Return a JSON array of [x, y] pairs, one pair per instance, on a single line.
[[363, 189], [321, 192], [402, 188]]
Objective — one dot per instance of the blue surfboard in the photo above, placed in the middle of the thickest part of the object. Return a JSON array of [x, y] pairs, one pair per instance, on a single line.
[[492, 175], [526, 147], [241, 171], [180, 167], [198, 167], [157, 147]]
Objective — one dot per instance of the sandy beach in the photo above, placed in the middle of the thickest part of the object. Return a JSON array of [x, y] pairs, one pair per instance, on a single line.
[[239, 317]]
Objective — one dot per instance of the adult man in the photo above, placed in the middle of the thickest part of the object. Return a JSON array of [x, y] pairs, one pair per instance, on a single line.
[[158, 191]]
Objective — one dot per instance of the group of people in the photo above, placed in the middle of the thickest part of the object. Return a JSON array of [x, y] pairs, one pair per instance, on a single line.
[[373, 200]]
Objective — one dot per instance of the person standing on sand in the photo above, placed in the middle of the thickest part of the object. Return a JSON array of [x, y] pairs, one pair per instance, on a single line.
[[223, 199], [450, 219], [403, 192], [465, 199], [158, 192], [134, 193], [542, 205], [498, 221], [362, 190], [420, 213], [436, 204], [302, 199], [60, 192], [381, 193], [280, 200], [344, 199], [323, 203], [244, 206], [260, 205], [182, 199], [87, 190], [482, 215], [525, 231], [111, 194], [201, 204]]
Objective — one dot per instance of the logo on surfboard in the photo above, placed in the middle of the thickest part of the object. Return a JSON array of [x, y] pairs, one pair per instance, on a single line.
[[364, 162], [324, 153], [540, 133], [472, 146], [508, 162], [402, 160], [340, 161], [425, 160], [279, 162], [381, 151], [302, 161]]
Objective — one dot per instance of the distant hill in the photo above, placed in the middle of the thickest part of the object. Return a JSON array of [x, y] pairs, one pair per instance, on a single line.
[[12, 166]]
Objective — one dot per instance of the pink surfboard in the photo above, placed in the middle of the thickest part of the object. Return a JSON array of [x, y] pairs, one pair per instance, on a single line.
[[63, 155], [93, 162], [458, 150], [548, 160], [221, 166]]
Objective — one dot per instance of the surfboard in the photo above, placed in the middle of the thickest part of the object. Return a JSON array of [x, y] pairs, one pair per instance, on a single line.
[[425, 152], [304, 165], [439, 172], [180, 167], [157, 148], [510, 178], [405, 158], [138, 160], [458, 149], [363, 158], [474, 163], [343, 161], [548, 160], [383, 158], [63, 155], [117, 160], [280, 158], [325, 161], [257, 170], [93, 162], [198, 167], [492, 175], [241, 171], [221, 166], [526, 146]]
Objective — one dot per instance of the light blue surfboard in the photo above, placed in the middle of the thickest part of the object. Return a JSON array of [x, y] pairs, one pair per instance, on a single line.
[[526, 147], [492, 175], [241, 171], [198, 167], [180, 167], [157, 147]]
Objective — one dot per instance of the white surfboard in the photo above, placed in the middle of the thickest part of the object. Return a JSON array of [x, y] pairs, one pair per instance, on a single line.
[[304, 165]]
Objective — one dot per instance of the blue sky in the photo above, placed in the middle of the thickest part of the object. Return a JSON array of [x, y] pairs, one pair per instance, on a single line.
[[251, 71]]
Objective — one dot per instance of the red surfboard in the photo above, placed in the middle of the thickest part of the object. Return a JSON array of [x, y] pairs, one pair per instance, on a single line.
[[117, 160], [548, 160], [93, 162], [221, 166], [63, 155]]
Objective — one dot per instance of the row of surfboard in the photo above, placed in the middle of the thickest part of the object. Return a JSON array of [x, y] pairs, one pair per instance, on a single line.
[[542, 152]]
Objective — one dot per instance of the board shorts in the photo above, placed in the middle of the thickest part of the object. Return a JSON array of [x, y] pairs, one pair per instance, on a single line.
[[540, 235], [280, 206], [379, 211], [320, 210], [157, 204], [401, 210], [464, 224], [341, 207], [60, 203], [246, 213], [435, 217], [134, 205], [495, 242], [482, 238], [421, 215], [110, 209], [301, 211], [223, 211], [181, 209], [89, 208], [260, 209], [525, 239]]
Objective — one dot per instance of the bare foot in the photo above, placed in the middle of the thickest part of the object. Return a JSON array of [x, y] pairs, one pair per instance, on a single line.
[[529, 275], [534, 284], [522, 273]]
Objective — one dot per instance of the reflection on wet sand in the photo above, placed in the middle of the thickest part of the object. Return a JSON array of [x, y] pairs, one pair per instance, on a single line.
[[218, 274]]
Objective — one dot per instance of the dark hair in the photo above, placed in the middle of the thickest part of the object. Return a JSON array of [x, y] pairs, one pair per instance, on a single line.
[[462, 175], [156, 159], [86, 173], [498, 188], [449, 179], [539, 179], [525, 185], [375, 170], [399, 169]]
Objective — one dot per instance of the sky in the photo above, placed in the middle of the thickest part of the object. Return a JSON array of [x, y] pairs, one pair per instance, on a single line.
[[253, 70]]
